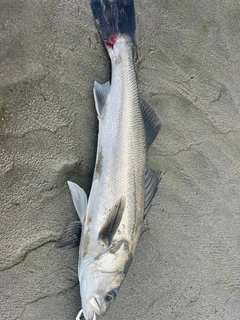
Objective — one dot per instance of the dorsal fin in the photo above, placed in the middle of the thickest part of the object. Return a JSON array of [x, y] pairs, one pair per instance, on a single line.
[[152, 180], [100, 92], [111, 225], [79, 198], [151, 122]]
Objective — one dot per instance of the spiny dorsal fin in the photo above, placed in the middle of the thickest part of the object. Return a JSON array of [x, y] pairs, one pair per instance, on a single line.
[[110, 227], [79, 198], [70, 237], [100, 92], [152, 180], [151, 122]]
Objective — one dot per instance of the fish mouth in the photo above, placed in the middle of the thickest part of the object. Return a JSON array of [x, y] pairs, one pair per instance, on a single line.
[[80, 313], [96, 306]]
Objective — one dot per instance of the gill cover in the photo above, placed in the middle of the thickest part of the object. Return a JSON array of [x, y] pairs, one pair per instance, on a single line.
[[116, 259]]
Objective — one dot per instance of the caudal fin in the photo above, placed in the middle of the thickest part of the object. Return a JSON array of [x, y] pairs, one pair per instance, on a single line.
[[114, 17]]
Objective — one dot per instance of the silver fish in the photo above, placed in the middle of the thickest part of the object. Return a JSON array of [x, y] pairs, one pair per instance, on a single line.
[[122, 186]]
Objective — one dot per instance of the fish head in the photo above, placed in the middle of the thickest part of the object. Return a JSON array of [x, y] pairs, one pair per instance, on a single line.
[[98, 290], [101, 278]]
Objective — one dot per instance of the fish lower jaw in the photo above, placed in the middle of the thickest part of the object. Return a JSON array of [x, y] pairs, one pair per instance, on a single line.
[[80, 313], [95, 306]]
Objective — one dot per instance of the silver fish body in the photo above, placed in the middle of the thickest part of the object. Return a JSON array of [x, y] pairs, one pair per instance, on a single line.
[[119, 177], [121, 153], [122, 186]]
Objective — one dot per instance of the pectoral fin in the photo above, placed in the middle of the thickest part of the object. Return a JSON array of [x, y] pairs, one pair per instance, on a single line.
[[110, 227], [71, 236], [79, 198]]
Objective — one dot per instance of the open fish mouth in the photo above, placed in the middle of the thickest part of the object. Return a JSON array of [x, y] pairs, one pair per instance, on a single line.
[[95, 310], [96, 306]]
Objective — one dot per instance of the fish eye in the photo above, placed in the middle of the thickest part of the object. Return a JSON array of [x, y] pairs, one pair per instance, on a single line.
[[111, 296]]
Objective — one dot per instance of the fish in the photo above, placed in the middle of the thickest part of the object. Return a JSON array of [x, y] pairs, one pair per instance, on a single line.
[[123, 186]]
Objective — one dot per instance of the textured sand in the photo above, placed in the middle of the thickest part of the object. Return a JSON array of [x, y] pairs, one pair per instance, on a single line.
[[187, 265]]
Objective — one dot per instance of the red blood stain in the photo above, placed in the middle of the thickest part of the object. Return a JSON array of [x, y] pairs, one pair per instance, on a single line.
[[111, 41]]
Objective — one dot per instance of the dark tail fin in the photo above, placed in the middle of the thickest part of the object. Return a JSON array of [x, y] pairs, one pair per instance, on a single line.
[[113, 17]]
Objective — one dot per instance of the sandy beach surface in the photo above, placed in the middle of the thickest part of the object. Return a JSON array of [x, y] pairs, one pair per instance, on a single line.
[[187, 265]]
